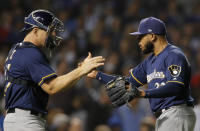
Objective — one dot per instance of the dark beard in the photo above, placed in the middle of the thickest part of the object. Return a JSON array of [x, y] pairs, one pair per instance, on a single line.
[[148, 48]]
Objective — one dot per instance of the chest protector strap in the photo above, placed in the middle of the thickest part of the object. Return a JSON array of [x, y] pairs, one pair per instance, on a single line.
[[19, 81]]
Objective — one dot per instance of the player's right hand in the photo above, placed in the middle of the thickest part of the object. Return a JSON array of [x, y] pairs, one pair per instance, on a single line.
[[90, 63]]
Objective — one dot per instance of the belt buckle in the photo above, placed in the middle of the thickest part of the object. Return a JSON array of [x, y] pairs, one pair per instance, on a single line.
[[159, 113], [163, 110]]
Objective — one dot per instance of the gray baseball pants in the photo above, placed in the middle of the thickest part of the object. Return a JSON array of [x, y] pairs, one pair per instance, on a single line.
[[23, 120], [176, 118]]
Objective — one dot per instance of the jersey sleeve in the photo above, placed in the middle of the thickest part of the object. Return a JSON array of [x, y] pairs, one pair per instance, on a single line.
[[177, 68], [138, 75], [104, 78], [38, 67]]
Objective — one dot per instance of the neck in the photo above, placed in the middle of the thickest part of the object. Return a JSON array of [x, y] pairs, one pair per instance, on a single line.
[[31, 38], [159, 46]]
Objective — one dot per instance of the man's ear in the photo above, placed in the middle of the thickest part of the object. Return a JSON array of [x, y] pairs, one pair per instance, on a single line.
[[153, 37], [35, 31]]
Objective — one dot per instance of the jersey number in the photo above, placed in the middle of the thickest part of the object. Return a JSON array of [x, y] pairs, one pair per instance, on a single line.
[[158, 85], [7, 68]]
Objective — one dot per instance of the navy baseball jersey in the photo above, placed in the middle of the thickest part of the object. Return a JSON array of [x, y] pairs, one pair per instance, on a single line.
[[27, 62], [167, 76], [170, 67]]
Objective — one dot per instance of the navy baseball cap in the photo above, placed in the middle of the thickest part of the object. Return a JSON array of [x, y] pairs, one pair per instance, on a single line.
[[151, 25]]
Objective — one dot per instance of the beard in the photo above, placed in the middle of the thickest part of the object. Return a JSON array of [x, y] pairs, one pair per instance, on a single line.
[[149, 47]]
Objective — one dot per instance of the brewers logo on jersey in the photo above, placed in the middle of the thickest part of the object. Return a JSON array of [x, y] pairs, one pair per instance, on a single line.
[[174, 70]]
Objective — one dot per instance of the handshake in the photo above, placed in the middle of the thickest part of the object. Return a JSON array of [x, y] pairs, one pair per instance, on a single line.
[[118, 92]]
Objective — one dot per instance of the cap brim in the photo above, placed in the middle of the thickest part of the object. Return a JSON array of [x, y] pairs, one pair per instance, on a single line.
[[135, 33]]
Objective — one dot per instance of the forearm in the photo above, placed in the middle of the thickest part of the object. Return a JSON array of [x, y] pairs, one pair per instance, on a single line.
[[72, 83], [104, 78], [63, 82], [170, 89]]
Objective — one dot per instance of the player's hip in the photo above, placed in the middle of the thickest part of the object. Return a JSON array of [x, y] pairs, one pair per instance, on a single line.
[[181, 117], [23, 120], [181, 110]]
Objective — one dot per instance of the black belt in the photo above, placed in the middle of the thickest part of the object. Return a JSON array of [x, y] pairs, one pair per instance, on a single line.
[[158, 113], [32, 112]]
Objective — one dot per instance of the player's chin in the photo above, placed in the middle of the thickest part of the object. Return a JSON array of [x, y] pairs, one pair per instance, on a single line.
[[146, 51], [148, 48]]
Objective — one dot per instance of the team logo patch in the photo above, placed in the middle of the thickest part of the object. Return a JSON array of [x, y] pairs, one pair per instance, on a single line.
[[174, 70]]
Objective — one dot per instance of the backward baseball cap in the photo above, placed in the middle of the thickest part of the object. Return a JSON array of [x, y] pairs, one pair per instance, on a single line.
[[150, 25]]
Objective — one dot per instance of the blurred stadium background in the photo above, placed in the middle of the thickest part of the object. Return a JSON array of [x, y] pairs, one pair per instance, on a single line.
[[102, 27]]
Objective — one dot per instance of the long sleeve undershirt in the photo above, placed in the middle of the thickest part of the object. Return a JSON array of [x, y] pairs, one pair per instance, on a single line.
[[170, 89], [104, 78]]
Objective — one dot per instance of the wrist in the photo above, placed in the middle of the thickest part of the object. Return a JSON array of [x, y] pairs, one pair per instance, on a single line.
[[81, 72], [95, 72], [98, 75]]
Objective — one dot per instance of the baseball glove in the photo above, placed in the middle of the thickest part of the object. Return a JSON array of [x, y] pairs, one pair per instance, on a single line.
[[117, 92]]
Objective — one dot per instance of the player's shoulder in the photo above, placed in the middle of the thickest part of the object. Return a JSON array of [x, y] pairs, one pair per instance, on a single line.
[[30, 53], [174, 52]]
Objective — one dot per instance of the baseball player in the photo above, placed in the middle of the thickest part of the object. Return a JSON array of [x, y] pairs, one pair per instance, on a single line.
[[166, 71], [29, 78]]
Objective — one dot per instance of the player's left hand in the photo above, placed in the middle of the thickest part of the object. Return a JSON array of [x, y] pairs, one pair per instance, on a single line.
[[90, 63], [118, 92], [91, 74]]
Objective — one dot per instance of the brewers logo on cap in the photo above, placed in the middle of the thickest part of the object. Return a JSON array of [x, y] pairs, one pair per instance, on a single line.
[[174, 70]]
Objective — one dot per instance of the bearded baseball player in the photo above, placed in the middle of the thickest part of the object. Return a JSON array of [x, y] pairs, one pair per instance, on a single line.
[[166, 71], [29, 78]]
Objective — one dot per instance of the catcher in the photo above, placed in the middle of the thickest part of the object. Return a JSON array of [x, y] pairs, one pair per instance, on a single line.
[[167, 73], [29, 79]]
